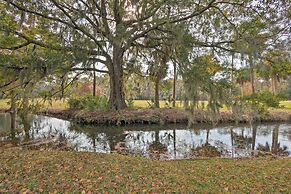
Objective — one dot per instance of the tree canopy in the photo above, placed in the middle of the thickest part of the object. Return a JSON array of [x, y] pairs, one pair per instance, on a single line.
[[51, 38]]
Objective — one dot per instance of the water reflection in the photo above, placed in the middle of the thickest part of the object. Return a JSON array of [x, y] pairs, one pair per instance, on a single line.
[[162, 142]]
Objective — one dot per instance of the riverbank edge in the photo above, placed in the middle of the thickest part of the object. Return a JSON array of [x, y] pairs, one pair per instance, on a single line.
[[157, 116]]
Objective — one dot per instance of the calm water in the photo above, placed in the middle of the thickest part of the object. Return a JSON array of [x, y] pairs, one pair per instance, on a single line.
[[161, 142]]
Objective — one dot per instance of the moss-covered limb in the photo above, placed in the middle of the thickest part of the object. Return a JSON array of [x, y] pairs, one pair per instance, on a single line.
[[40, 171]]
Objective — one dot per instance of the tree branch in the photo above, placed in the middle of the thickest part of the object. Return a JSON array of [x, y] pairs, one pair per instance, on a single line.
[[88, 69], [156, 26], [16, 47]]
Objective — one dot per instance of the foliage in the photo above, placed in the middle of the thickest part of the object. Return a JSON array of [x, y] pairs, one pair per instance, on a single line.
[[130, 103], [157, 146], [202, 77], [88, 102], [256, 105], [275, 63], [151, 103], [265, 98], [108, 32], [289, 88], [206, 150], [169, 102], [242, 76]]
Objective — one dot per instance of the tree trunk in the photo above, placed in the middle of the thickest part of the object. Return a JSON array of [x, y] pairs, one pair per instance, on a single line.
[[254, 135], [115, 67], [25, 115], [157, 97], [94, 81], [274, 85], [275, 140], [232, 144], [207, 137], [252, 74], [157, 136], [242, 90], [25, 119], [13, 111], [174, 141], [232, 68], [174, 85]]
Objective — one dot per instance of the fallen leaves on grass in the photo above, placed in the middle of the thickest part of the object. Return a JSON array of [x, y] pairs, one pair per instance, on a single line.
[[58, 171]]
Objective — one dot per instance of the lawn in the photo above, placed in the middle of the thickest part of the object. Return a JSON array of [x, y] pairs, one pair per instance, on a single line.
[[56, 104], [147, 103], [286, 104], [62, 104], [56, 171]]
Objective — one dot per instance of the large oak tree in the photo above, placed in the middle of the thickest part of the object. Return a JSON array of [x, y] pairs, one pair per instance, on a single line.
[[105, 31]]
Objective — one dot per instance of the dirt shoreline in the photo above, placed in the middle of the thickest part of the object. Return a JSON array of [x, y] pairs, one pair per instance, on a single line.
[[156, 116]]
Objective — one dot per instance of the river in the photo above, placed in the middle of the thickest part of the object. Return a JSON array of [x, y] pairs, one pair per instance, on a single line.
[[164, 142]]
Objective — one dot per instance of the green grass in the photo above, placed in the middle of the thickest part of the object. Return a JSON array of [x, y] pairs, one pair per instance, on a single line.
[[72, 172], [60, 104], [4, 104], [145, 104], [286, 104], [56, 104]]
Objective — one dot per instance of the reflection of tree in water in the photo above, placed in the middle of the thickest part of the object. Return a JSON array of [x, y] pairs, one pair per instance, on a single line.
[[156, 148], [8, 130], [104, 135], [51, 130], [5, 121], [254, 136], [286, 132], [39, 124], [136, 140], [264, 131], [275, 148], [281, 151], [145, 140], [240, 140], [206, 149], [243, 142]]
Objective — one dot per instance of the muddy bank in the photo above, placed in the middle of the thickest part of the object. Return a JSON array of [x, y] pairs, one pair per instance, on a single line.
[[160, 116], [123, 117]]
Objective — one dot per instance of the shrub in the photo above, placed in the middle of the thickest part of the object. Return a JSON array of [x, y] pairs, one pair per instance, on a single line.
[[266, 98], [289, 88], [74, 103], [130, 103], [89, 102], [151, 104]]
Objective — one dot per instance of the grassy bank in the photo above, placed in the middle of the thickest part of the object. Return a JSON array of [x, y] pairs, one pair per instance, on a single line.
[[160, 116], [129, 116], [40, 171]]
